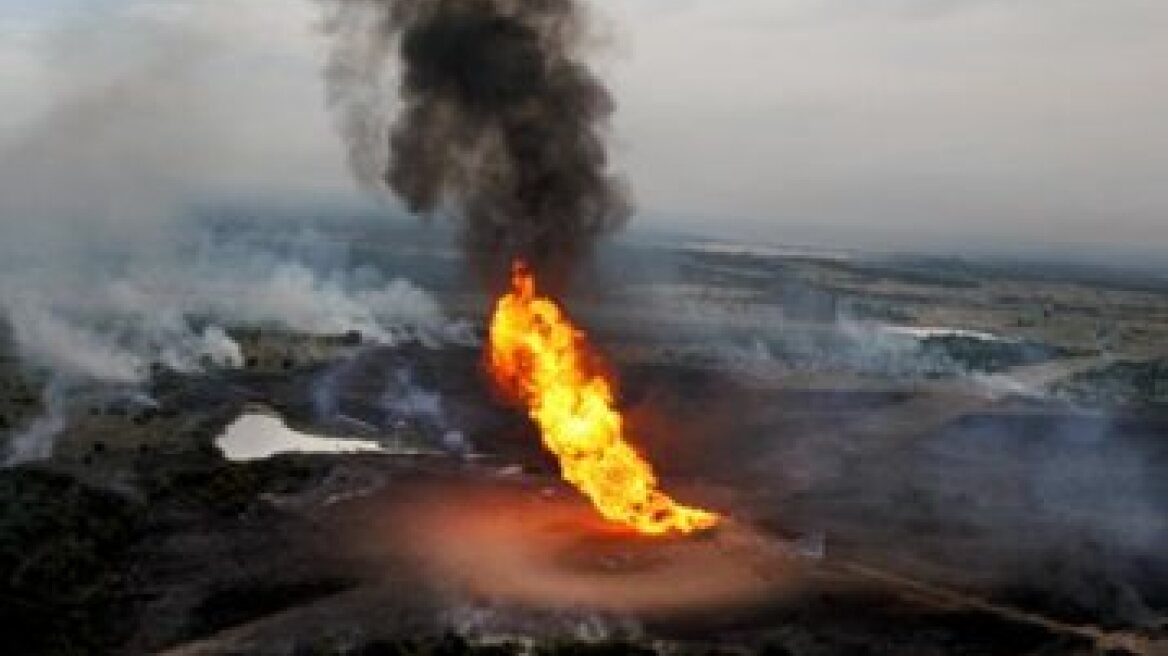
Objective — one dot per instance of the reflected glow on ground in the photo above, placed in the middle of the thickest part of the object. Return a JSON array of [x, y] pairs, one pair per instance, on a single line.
[[553, 551]]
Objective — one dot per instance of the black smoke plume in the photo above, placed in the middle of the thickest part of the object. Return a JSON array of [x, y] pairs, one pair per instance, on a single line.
[[499, 121]]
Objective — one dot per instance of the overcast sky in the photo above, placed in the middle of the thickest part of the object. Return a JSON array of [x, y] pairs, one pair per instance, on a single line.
[[892, 123]]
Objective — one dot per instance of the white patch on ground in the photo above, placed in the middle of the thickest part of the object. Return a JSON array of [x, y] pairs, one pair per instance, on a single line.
[[925, 332], [764, 250], [255, 436]]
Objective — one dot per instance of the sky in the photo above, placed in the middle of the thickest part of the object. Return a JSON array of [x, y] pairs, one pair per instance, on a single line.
[[903, 124]]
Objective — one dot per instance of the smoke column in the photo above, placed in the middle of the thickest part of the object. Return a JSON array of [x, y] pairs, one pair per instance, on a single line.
[[499, 121]]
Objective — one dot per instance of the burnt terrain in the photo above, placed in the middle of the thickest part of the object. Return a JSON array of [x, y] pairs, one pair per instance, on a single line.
[[885, 492]]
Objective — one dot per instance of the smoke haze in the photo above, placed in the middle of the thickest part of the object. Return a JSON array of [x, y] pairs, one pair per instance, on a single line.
[[971, 125], [105, 266]]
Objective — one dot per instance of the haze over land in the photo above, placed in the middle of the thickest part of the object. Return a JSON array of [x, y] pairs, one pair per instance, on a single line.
[[968, 125]]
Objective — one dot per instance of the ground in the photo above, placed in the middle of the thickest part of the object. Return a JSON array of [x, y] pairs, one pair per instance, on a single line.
[[887, 488]]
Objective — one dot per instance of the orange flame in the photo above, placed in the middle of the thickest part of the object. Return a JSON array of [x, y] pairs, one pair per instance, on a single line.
[[540, 360]]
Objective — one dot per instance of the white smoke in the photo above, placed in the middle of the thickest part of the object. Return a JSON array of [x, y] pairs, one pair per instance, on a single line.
[[293, 296], [179, 317], [403, 404], [52, 341], [113, 332], [36, 441], [406, 400], [221, 349], [490, 624], [105, 272]]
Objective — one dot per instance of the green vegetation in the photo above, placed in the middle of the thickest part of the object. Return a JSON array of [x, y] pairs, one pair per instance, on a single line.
[[1119, 384], [986, 355]]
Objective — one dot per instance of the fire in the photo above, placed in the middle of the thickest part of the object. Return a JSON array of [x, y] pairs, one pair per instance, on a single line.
[[540, 360]]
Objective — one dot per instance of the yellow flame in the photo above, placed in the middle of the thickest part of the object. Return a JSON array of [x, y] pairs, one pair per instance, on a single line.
[[538, 358]]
